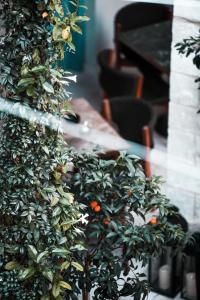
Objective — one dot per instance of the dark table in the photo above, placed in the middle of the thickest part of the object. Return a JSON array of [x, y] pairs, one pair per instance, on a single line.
[[152, 43]]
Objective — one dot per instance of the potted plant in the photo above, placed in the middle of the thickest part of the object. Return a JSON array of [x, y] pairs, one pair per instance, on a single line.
[[128, 223]]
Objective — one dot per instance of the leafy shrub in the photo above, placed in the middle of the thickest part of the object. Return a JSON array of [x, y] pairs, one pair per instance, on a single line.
[[128, 223]]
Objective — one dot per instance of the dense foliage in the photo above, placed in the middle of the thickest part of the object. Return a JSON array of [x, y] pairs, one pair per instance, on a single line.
[[128, 223], [39, 233]]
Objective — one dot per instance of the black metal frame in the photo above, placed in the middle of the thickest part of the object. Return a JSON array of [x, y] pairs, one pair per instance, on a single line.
[[196, 257], [175, 281]]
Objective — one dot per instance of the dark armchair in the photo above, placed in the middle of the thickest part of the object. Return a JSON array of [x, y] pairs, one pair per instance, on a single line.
[[117, 82], [133, 119]]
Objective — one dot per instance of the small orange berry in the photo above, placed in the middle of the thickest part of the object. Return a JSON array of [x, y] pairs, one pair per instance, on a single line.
[[154, 221], [93, 204], [106, 221], [97, 208], [37, 195], [17, 160], [61, 261], [45, 14]]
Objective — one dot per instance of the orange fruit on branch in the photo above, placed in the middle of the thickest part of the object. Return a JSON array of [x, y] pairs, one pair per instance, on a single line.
[[93, 204], [97, 208], [154, 221], [106, 221], [45, 14]]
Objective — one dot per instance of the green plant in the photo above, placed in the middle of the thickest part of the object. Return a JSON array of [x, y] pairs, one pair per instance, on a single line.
[[128, 223], [39, 219], [191, 46]]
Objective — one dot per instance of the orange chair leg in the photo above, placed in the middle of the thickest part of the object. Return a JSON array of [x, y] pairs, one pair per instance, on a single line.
[[147, 143], [106, 111], [140, 87]]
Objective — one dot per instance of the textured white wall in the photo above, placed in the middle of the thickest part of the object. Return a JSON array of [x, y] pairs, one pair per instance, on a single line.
[[105, 12], [100, 29], [184, 122]]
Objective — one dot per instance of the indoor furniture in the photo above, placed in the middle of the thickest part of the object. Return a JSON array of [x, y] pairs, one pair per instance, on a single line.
[[134, 16], [151, 44], [133, 119], [117, 82]]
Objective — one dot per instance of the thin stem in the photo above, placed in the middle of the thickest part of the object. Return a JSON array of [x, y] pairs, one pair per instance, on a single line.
[[77, 6]]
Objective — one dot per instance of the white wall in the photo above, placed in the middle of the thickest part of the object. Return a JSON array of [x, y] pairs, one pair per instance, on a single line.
[[105, 12], [100, 29], [184, 122]]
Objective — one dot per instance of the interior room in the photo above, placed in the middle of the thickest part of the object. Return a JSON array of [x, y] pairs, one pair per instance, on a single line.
[[99, 150]]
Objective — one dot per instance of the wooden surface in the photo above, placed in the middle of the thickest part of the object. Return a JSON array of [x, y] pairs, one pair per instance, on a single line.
[[100, 132], [152, 43]]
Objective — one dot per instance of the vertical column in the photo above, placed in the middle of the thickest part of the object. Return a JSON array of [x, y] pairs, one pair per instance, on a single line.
[[184, 122]]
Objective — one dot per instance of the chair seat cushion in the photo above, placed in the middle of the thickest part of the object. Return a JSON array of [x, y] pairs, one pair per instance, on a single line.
[[131, 115]]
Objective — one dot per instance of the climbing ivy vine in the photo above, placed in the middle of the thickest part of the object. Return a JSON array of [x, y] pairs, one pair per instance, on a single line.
[[39, 219]]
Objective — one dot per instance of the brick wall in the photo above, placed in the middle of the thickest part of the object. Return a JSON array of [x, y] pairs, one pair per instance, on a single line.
[[184, 122]]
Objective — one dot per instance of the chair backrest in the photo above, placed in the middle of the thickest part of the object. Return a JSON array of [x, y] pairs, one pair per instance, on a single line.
[[116, 82], [131, 116], [137, 15]]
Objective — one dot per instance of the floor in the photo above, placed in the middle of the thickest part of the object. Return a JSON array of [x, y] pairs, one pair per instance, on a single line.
[[152, 296], [87, 87]]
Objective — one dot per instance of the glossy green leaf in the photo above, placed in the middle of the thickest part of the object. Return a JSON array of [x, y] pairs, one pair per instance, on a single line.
[[32, 252], [48, 87], [42, 255], [56, 289], [77, 266], [26, 273], [65, 265], [48, 274], [65, 285], [12, 265]]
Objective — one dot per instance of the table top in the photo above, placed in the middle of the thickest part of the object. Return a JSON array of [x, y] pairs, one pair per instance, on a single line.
[[99, 132], [152, 43]]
